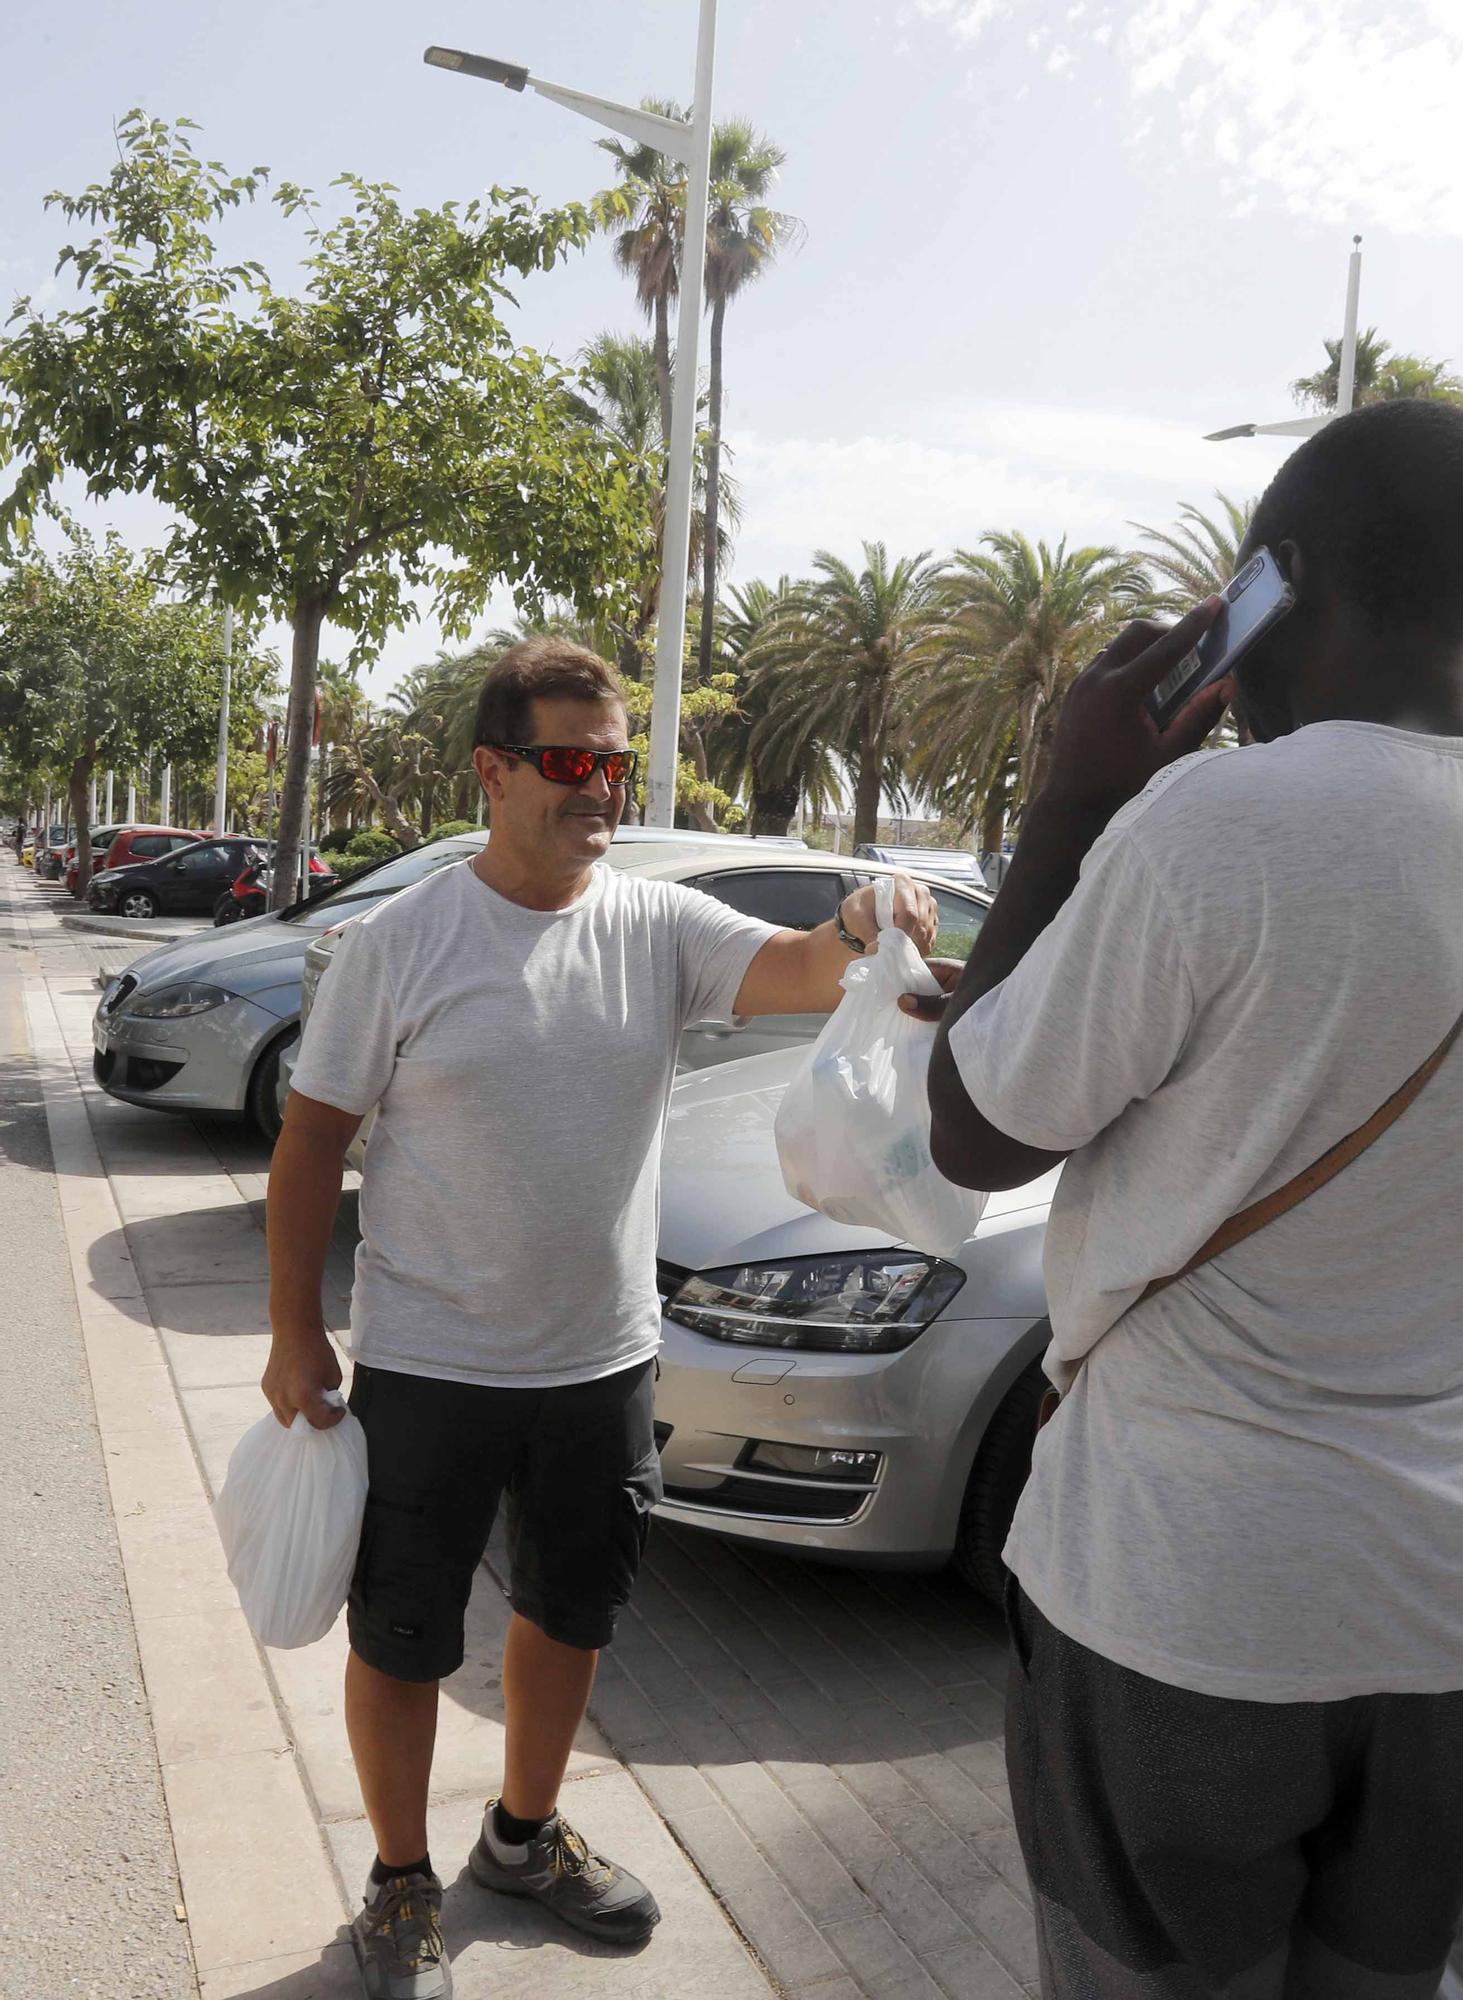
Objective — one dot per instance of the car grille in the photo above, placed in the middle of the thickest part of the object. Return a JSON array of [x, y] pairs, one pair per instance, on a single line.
[[103, 1065], [126, 986]]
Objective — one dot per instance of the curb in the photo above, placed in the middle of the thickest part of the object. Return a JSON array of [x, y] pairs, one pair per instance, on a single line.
[[242, 1819], [145, 931]]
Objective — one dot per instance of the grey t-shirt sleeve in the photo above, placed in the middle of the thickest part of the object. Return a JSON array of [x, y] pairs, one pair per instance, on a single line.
[[1093, 1018], [715, 945], [349, 1048]]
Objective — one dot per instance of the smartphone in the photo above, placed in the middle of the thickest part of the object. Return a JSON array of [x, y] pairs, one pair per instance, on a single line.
[[1254, 598]]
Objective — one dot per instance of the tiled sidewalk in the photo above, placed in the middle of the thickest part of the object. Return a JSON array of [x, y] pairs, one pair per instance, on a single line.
[[827, 1745]]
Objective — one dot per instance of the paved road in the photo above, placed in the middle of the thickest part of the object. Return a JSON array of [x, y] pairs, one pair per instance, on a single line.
[[85, 1850]]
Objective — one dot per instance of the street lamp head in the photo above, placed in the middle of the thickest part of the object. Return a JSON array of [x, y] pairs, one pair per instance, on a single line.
[[512, 75], [1234, 431]]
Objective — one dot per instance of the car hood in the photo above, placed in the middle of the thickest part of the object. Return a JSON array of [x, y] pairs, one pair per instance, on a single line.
[[722, 1195], [243, 957]]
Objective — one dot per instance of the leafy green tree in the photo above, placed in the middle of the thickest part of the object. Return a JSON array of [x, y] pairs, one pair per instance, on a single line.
[[330, 455], [835, 665], [1381, 376], [1016, 624], [1197, 557], [96, 670], [743, 235]]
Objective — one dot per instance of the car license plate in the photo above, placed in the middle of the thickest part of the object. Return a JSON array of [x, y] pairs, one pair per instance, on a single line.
[[99, 1035]]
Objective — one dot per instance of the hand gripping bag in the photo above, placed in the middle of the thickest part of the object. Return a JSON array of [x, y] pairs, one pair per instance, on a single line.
[[290, 1519], [853, 1128]]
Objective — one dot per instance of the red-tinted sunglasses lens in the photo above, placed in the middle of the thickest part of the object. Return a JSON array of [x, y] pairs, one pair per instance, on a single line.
[[567, 767]]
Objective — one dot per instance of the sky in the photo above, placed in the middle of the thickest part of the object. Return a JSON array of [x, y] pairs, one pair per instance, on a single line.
[[1049, 243]]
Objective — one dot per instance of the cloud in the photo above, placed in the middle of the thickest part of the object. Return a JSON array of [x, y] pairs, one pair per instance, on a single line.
[[1048, 470], [1344, 114]]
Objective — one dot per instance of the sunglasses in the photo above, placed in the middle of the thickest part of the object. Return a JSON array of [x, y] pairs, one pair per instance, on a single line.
[[564, 764]]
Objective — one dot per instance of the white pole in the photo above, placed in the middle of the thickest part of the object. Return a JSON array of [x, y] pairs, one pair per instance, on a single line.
[[131, 797], [165, 801], [665, 714], [221, 773], [111, 780], [1346, 373], [91, 801]]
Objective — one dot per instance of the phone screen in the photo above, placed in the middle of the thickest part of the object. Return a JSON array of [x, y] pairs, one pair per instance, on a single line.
[[1252, 601]]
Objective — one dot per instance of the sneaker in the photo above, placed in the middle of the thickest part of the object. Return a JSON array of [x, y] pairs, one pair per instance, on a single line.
[[566, 1876], [398, 1940]]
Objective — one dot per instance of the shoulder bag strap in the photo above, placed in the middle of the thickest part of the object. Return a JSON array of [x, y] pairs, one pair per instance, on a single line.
[[1282, 1199], [1306, 1183]]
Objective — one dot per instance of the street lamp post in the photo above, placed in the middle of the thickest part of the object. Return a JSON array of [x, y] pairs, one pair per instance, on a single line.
[[1345, 374], [690, 142]]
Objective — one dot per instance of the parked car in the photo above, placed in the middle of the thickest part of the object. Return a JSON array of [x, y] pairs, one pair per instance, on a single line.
[[798, 888], [829, 1390], [824, 1389], [186, 879], [956, 864], [50, 854], [101, 841], [200, 1025]]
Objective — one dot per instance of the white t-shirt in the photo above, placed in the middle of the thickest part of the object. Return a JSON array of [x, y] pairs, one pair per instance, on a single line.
[[1255, 1486], [522, 1061]]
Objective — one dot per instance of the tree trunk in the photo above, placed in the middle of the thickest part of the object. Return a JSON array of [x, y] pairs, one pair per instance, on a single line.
[[773, 806], [300, 722], [701, 815], [871, 767], [429, 805], [993, 813], [663, 369], [78, 787], [712, 504]]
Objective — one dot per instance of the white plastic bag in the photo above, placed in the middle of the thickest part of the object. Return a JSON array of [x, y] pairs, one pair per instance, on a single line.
[[290, 1519], [853, 1128]]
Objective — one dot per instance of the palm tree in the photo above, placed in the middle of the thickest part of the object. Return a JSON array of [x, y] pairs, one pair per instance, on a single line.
[[1016, 626], [621, 373], [743, 235], [648, 240], [1382, 376], [738, 760], [1197, 557], [833, 665]]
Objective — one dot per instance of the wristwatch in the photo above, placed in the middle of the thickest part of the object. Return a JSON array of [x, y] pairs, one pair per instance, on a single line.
[[855, 944]]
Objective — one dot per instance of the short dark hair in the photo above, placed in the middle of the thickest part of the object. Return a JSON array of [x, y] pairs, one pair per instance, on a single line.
[[535, 668], [1375, 502]]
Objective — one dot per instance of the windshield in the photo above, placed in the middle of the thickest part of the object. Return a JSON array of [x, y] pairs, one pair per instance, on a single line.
[[398, 873]]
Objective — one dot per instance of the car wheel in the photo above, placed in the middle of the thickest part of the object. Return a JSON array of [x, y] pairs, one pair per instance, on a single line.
[[263, 1100], [137, 903], [228, 909], [1002, 1466]]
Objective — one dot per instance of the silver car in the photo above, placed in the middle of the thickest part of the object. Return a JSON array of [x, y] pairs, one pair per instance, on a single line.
[[829, 1389], [201, 1025]]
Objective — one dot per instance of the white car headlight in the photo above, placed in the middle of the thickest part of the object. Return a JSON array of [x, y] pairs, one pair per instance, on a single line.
[[860, 1302], [170, 1003]]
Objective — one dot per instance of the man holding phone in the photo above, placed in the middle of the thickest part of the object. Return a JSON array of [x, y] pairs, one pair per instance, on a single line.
[[1235, 1729]]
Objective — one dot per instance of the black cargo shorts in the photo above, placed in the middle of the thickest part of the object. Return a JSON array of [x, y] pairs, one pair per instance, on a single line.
[[580, 1472]]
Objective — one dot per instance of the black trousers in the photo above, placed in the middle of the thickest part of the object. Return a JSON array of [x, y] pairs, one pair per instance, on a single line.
[[1183, 1847]]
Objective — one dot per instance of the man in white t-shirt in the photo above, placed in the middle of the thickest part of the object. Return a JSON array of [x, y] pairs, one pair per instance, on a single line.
[[1235, 1730], [515, 1019]]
